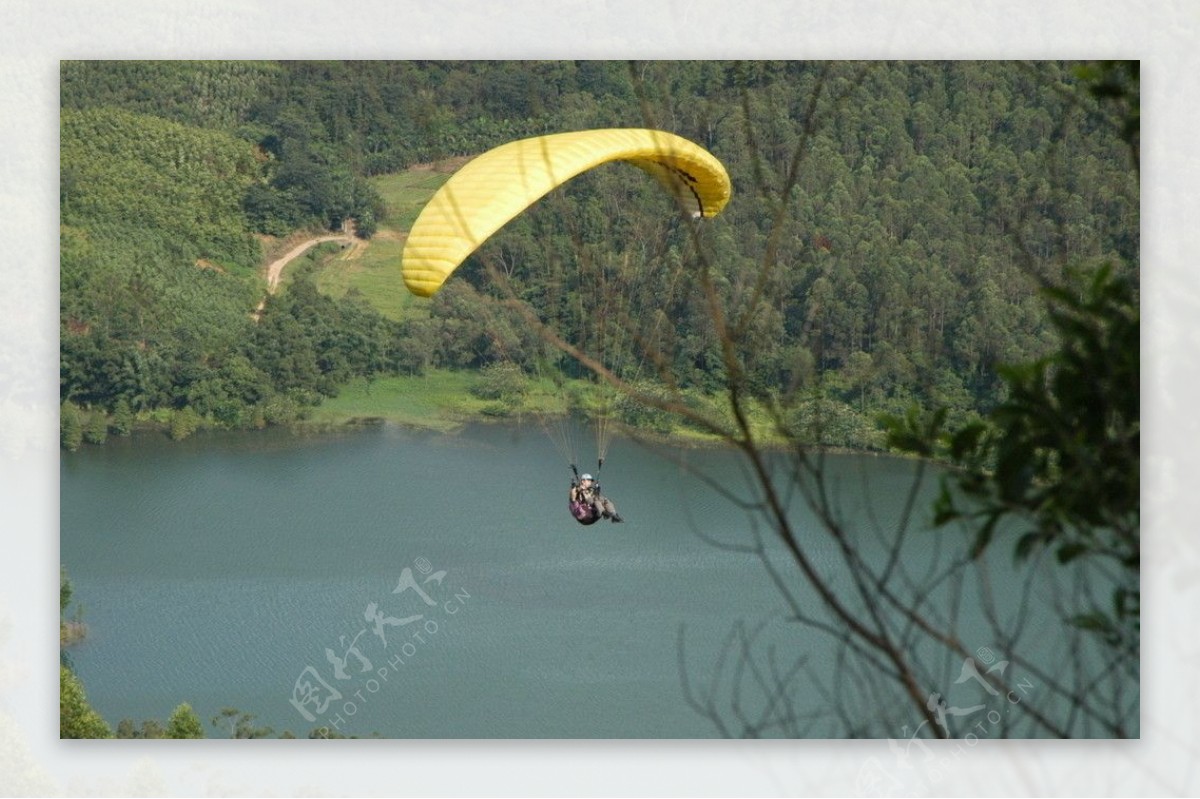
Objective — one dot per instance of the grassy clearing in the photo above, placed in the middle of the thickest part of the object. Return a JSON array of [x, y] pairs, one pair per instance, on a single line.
[[372, 270], [437, 400], [406, 194], [443, 400]]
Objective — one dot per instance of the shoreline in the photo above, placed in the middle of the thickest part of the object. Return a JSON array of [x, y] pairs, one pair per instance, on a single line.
[[446, 401], [456, 422], [447, 406]]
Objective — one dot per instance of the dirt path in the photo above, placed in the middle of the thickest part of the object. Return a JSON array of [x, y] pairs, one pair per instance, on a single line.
[[275, 268]]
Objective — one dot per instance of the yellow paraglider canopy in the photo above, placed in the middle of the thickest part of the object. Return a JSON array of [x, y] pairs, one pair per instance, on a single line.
[[485, 194]]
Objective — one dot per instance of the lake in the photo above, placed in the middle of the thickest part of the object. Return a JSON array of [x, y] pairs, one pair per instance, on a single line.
[[413, 584]]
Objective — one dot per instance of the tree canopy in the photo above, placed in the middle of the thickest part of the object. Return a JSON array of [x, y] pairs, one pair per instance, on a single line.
[[907, 239]]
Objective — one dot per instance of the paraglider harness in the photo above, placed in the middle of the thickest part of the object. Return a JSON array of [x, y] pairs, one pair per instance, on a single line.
[[585, 512]]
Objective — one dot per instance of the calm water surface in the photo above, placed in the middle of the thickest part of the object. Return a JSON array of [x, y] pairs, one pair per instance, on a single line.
[[221, 569]]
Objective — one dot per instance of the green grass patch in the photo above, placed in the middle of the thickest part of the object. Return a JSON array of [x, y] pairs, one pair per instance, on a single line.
[[438, 400], [406, 193], [373, 270]]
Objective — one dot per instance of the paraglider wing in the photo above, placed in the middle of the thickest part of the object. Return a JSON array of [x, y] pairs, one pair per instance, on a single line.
[[490, 190]]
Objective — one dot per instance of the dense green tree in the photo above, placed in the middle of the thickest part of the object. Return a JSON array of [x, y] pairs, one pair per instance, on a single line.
[[95, 430], [184, 422], [501, 381], [70, 421], [149, 729], [184, 723], [130, 170], [1060, 453], [76, 718], [239, 724], [122, 419], [215, 94]]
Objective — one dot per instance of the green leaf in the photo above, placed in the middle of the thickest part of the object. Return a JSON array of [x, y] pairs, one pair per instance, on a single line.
[[967, 440], [1095, 621], [944, 510], [1027, 544], [984, 536], [1069, 552]]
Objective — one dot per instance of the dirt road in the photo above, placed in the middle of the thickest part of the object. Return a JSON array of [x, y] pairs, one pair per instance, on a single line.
[[275, 269]]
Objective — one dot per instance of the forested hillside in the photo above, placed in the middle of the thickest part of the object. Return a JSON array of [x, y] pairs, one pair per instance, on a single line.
[[905, 212]]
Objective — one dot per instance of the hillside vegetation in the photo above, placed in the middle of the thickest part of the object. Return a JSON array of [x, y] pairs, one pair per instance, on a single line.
[[908, 212]]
